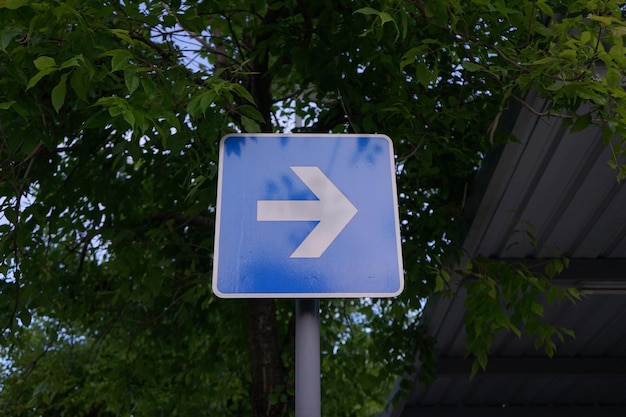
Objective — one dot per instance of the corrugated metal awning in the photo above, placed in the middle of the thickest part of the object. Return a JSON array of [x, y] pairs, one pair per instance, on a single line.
[[559, 187]]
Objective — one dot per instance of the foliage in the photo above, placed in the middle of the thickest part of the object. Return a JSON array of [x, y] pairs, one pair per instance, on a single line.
[[110, 115], [508, 297]]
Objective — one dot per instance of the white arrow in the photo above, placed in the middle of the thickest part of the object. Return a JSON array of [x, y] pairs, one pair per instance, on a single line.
[[333, 210]]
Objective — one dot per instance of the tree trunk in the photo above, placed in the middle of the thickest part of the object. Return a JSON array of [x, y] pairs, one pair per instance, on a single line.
[[267, 367], [268, 370]]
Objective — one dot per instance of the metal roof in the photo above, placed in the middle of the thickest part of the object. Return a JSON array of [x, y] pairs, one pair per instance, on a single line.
[[557, 184]]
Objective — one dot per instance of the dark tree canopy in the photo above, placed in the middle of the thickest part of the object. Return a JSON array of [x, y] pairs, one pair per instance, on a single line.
[[110, 118]]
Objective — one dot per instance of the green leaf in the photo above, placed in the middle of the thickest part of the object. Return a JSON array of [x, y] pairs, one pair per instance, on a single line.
[[423, 74], [6, 105], [367, 11], [475, 368], [242, 92], [556, 86], [482, 359], [410, 55], [58, 93], [545, 8], [251, 112], [437, 11], [568, 54], [12, 4], [439, 283], [131, 79], [605, 20], [129, 116], [249, 125], [587, 37], [33, 81], [119, 59], [25, 317], [617, 54], [201, 102], [386, 18], [471, 66], [122, 34], [515, 330], [11, 214], [537, 308], [191, 21], [44, 62], [149, 87], [585, 92], [581, 123], [613, 78], [7, 35], [75, 61], [502, 320], [80, 82]]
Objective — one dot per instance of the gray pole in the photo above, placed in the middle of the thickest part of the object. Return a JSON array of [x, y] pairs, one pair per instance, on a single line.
[[308, 392]]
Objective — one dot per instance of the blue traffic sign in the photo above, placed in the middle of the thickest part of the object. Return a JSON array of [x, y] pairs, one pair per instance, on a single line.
[[307, 216]]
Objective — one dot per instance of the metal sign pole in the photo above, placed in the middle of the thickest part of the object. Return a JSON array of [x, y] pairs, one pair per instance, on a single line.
[[308, 391]]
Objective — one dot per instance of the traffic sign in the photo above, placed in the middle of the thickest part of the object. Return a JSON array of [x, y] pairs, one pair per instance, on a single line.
[[307, 216]]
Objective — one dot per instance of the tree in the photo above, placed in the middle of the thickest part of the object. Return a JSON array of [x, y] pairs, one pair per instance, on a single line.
[[110, 116]]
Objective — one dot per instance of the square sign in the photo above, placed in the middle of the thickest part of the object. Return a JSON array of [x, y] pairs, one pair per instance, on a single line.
[[307, 216]]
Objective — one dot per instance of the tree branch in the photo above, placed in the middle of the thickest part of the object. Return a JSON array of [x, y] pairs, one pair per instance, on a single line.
[[181, 220], [206, 45]]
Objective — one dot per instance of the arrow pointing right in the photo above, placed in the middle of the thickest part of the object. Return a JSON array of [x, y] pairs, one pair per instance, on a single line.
[[332, 209]]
